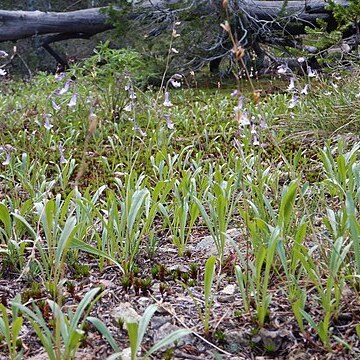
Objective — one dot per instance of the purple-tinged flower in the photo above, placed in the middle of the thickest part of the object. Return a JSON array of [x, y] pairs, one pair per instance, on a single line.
[[132, 95], [3, 54], [256, 141], [235, 93], [167, 101], [7, 160], [283, 69], [60, 76], [301, 59], [72, 102], [61, 151], [55, 106], [305, 90], [262, 123], [244, 119], [294, 100], [6, 149], [240, 104], [175, 83], [170, 125], [128, 107], [136, 127], [253, 129], [311, 73], [65, 88], [291, 86], [47, 124]]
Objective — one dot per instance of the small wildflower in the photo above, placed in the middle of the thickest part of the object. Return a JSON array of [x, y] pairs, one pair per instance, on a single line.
[[65, 88], [178, 23], [6, 149], [256, 141], [61, 151], [2, 72], [357, 95], [47, 124], [174, 51], [283, 69], [167, 101], [170, 125], [3, 54], [311, 73], [72, 102], [253, 129], [240, 104], [301, 59], [137, 128], [262, 123], [291, 86], [132, 95], [128, 107], [55, 106], [244, 119], [294, 100], [175, 83], [305, 90], [60, 76], [235, 93]]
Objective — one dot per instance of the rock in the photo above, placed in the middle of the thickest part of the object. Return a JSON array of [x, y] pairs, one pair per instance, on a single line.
[[158, 321], [228, 290], [207, 244], [271, 339], [126, 354], [169, 328], [125, 313], [144, 301], [237, 341]]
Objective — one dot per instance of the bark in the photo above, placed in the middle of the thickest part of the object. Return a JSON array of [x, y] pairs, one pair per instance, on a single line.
[[16, 25]]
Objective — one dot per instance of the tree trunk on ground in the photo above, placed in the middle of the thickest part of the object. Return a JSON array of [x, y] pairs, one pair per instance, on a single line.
[[16, 25]]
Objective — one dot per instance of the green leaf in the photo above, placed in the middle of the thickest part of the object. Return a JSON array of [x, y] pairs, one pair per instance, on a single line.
[[104, 331], [171, 338]]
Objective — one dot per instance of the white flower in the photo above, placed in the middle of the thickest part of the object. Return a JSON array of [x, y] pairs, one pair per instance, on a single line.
[[294, 100], [174, 51], [167, 101], [2, 72], [128, 107], [175, 84], [244, 119], [60, 76], [301, 59], [3, 54], [240, 104], [47, 124], [72, 102], [55, 106], [291, 86], [253, 129], [132, 95], [7, 160], [311, 72], [170, 125], [61, 151], [256, 141], [262, 123], [283, 69], [357, 95], [305, 90], [65, 88]]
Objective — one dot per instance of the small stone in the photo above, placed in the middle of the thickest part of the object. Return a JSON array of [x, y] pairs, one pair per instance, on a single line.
[[125, 313], [158, 321], [169, 328], [228, 290]]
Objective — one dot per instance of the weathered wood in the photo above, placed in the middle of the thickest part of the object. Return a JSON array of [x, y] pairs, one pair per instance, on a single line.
[[21, 24], [16, 25]]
